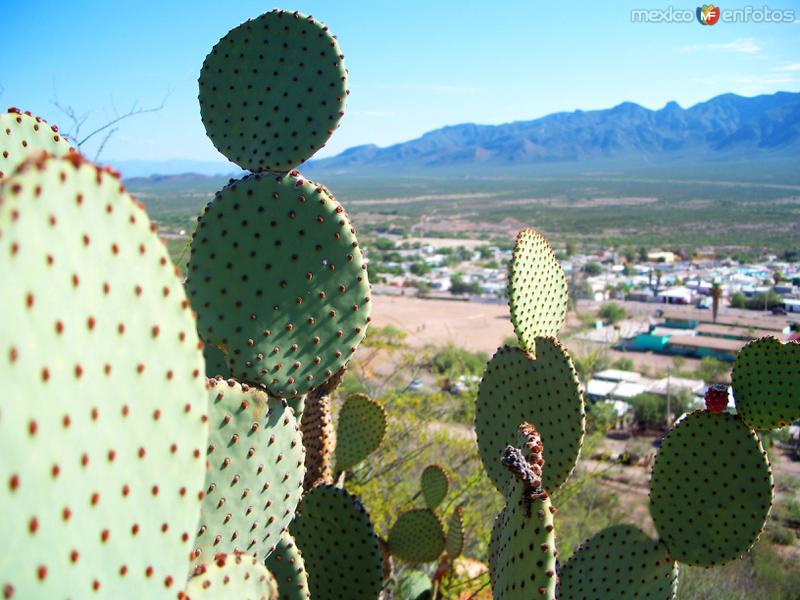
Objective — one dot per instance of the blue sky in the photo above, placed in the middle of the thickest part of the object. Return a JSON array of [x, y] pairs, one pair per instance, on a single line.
[[414, 65]]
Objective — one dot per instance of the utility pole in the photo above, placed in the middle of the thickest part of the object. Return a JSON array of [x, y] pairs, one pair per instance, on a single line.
[[669, 415]]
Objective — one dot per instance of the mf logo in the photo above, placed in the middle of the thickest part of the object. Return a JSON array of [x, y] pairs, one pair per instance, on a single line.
[[708, 14]]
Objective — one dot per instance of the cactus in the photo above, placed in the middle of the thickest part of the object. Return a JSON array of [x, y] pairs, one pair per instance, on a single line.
[[286, 564], [434, 483], [105, 424], [231, 576], [413, 585], [340, 549], [454, 544], [537, 289], [417, 536], [273, 90], [215, 362], [23, 136], [522, 549], [766, 383], [318, 439], [255, 476], [516, 388], [711, 489], [359, 431], [619, 562]]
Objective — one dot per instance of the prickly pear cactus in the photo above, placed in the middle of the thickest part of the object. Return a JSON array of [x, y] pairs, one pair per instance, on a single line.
[[619, 562], [455, 534], [231, 576], [215, 362], [23, 135], [766, 383], [286, 564], [339, 546], [273, 90], [537, 289], [255, 475], [711, 489], [359, 431], [417, 536], [517, 387], [413, 585], [434, 483], [279, 283], [318, 439], [522, 549], [104, 426]]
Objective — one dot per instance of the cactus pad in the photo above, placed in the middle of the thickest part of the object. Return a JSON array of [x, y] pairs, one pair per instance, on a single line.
[[339, 546], [455, 534], [413, 585], [360, 430], [255, 475], [103, 425], [231, 576], [273, 90], [215, 362], [711, 489], [278, 281], [434, 483], [22, 136], [318, 439], [417, 536], [766, 383], [543, 391], [286, 564], [537, 289], [522, 549], [619, 562]]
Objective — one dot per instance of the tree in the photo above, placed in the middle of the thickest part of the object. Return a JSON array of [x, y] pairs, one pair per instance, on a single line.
[[642, 254], [459, 287], [569, 249], [420, 268], [738, 300], [716, 296], [592, 269], [612, 313]]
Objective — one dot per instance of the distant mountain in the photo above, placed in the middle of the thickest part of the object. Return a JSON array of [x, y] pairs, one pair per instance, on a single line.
[[146, 168], [727, 127]]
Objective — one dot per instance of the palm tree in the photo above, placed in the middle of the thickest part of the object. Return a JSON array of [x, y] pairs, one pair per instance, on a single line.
[[716, 296]]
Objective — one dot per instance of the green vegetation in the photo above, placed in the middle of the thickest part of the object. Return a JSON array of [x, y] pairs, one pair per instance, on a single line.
[[612, 313]]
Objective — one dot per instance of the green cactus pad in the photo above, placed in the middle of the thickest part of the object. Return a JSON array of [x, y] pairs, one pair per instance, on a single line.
[[711, 489], [22, 135], [766, 383], [215, 362], [434, 483], [319, 440], [229, 577], [298, 405], [339, 546], [360, 430], [413, 585], [286, 564], [103, 426], [255, 475], [277, 279], [455, 534], [522, 549], [543, 391], [417, 536], [537, 289], [273, 90], [619, 562]]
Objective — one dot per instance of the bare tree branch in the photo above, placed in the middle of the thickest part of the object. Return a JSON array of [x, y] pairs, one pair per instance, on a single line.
[[108, 135]]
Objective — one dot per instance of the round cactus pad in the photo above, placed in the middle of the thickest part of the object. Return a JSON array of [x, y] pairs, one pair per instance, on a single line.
[[455, 534], [22, 136], [711, 489], [766, 383], [543, 391], [417, 536], [255, 475], [103, 428], [339, 546], [619, 562], [359, 431], [231, 576], [278, 281], [434, 483], [273, 90], [537, 289], [286, 564]]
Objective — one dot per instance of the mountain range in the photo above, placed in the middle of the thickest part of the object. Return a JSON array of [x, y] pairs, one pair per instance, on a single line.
[[725, 128]]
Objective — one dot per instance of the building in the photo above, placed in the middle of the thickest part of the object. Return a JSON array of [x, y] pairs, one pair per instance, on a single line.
[[700, 346]]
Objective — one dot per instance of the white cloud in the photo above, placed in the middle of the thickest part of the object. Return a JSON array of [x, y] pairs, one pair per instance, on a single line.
[[740, 46], [787, 68]]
